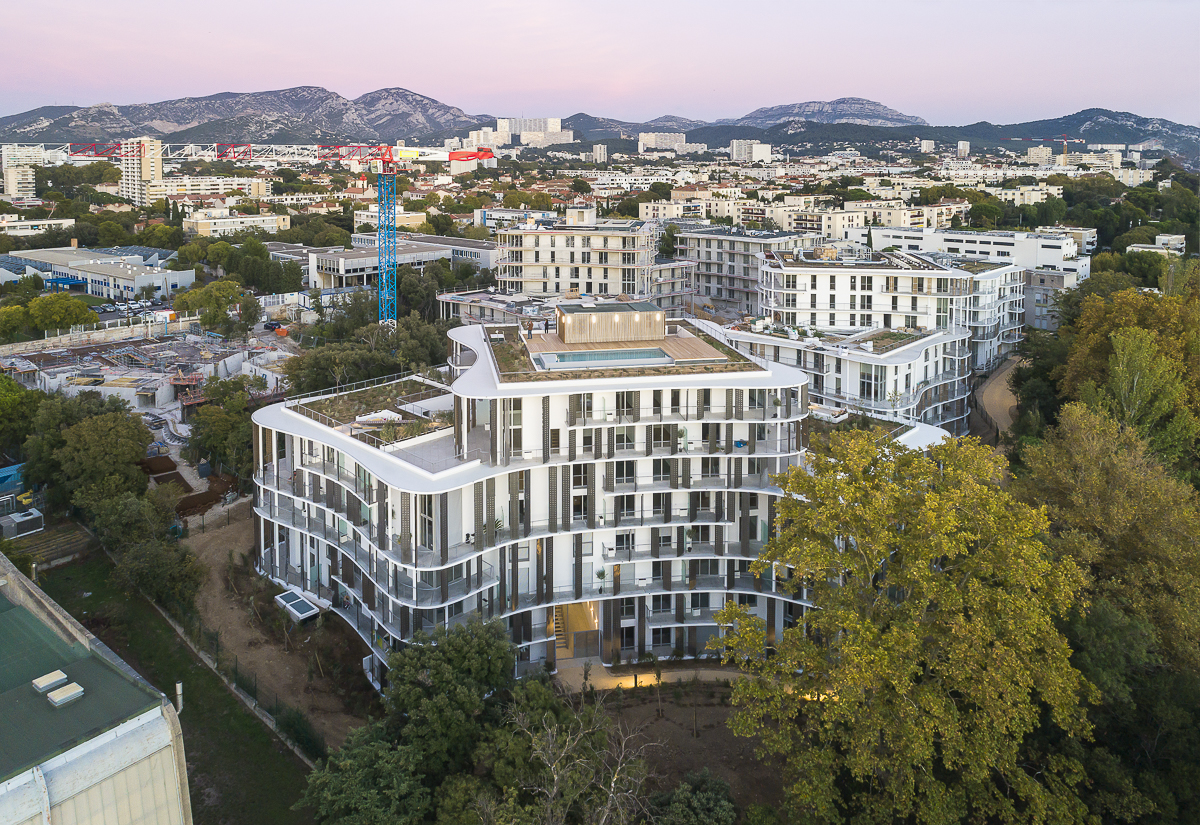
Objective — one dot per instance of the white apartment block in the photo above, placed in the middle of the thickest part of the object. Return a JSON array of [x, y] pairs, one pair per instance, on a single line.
[[19, 182], [660, 140], [141, 163], [667, 210], [223, 222], [370, 216], [15, 155], [499, 217], [964, 149], [10, 225], [601, 490], [540, 140], [890, 334], [124, 281], [690, 148], [203, 186], [1025, 195], [1131, 177], [341, 268], [897, 214], [928, 147], [1028, 250], [520, 125], [727, 268], [1102, 160], [1040, 155], [1085, 237], [578, 254], [599, 153], [749, 151]]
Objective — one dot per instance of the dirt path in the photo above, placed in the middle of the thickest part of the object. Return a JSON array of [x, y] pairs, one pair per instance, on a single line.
[[997, 398], [286, 673], [679, 752]]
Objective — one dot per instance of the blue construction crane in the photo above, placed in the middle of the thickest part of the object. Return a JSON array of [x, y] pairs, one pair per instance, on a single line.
[[386, 186]]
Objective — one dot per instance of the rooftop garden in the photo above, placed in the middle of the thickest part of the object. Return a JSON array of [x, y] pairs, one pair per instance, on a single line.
[[350, 405]]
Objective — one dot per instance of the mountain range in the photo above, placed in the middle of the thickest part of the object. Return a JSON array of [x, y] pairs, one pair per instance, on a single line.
[[311, 114]]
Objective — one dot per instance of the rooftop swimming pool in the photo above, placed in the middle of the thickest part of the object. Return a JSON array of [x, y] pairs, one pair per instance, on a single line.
[[604, 358]]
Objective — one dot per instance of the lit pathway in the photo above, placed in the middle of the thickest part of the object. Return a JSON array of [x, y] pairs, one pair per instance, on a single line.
[[997, 398], [570, 674]]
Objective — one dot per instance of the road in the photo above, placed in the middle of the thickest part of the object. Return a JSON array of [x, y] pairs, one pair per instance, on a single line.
[[997, 399]]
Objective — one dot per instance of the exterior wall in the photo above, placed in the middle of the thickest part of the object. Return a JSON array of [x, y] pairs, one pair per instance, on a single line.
[[726, 275], [1030, 250], [591, 259], [16, 227], [666, 490]]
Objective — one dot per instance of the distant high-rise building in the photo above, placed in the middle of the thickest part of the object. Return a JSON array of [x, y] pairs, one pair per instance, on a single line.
[[964, 148], [141, 162], [1039, 155], [928, 147], [661, 140], [517, 125], [19, 182], [749, 151], [599, 153]]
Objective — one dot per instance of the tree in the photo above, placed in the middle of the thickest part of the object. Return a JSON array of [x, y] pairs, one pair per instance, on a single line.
[[661, 189], [666, 245], [1145, 392], [440, 689], [249, 312], [60, 310], [103, 450], [581, 186], [13, 320], [167, 572], [932, 652], [369, 781], [113, 234], [18, 408], [221, 427], [55, 415], [700, 799]]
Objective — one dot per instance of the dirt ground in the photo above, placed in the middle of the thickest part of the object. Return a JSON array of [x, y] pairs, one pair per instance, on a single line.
[[293, 674], [679, 753]]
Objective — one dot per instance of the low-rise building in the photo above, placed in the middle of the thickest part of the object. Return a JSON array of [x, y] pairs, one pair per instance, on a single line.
[[1025, 195], [1028, 250], [123, 281], [1086, 237], [480, 254], [215, 222], [201, 186], [11, 225], [499, 217], [1042, 288], [340, 268], [84, 739]]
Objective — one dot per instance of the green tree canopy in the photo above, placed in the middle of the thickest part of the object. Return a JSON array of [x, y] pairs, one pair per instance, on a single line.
[[60, 310], [932, 652]]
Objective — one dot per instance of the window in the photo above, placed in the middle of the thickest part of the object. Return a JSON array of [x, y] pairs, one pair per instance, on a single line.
[[625, 472], [710, 467], [626, 506], [578, 475], [700, 601], [660, 636], [709, 567], [662, 469], [832, 282], [579, 508], [625, 438], [628, 638], [628, 608], [660, 435], [748, 599], [868, 283], [625, 403], [853, 283]]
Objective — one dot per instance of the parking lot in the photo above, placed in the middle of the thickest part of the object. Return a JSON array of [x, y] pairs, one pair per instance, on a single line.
[[110, 312]]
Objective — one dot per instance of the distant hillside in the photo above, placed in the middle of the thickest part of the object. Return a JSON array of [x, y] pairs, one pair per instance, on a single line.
[[843, 110], [304, 114]]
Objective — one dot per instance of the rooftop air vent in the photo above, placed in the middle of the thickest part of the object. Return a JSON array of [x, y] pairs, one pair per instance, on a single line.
[[50, 681], [64, 695]]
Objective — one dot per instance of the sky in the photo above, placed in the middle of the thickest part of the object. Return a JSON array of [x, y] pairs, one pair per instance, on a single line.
[[951, 62]]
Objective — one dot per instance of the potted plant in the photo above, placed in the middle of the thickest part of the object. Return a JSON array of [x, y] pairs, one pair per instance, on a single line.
[[600, 576]]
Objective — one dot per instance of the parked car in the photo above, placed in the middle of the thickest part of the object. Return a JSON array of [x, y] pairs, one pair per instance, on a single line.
[[272, 325]]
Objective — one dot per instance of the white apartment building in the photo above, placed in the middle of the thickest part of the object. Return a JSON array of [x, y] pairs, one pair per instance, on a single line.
[[599, 153], [520, 125], [928, 147], [660, 140], [223, 222], [1086, 237], [896, 214], [123, 281], [499, 217], [141, 163], [667, 210], [1025, 195], [601, 490], [1028, 250], [1131, 177], [890, 334], [540, 140], [964, 149], [406, 220], [10, 225], [578, 254], [727, 267], [19, 182], [690, 148], [749, 151], [15, 155], [202, 186], [1040, 155]]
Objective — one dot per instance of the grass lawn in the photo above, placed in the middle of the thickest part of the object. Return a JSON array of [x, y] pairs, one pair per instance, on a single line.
[[238, 771], [90, 300]]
